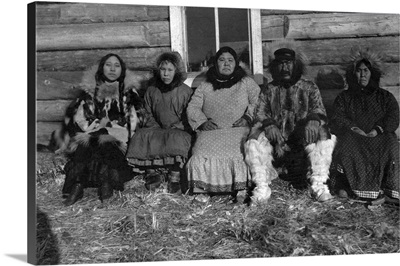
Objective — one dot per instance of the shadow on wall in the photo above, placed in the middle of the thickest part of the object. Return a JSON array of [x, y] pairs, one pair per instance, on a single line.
[[47, 252], [330, 83]]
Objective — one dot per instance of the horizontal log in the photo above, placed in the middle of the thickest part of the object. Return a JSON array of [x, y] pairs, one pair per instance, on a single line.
[[57, 85], [392, 75], [44, 130], [325, 52], [51, 111], [102, 35], [336, 25], [268, 12], [84, 13], [134, 58], [272, 27], [330, 25], [61, 85]]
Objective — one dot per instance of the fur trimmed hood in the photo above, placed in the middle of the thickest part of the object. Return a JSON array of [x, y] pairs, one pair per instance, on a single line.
[[176, 59], [180, 72], [301, 60], [373, 58]]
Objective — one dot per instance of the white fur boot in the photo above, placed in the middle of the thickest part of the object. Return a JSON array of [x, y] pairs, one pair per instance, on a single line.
[[320, 155], [259, 159]]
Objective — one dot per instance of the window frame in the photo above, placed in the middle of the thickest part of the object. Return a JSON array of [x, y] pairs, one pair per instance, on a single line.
[[178, 32]]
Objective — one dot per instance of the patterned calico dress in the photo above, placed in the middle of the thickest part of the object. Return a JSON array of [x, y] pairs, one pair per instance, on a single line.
[[370, 164], [165, 138], [217, 162]]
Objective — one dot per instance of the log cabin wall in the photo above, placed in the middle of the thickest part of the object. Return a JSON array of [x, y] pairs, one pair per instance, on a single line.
[[72, 37], [326, 38]]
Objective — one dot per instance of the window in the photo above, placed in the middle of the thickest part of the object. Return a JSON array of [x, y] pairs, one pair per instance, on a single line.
[[198, 32]]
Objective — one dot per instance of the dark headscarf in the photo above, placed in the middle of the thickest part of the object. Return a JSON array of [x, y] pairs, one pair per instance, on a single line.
[[220, 81]]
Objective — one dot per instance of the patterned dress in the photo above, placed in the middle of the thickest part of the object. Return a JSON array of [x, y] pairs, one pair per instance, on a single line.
[[370, 164], [164, 139], [217, 163]]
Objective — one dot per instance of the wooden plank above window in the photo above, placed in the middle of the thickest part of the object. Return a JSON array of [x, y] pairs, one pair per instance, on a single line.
[[86, 13], [104, 35], [328, 25]]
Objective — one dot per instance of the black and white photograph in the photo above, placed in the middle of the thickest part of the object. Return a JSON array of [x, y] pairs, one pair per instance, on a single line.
[[181, 132]]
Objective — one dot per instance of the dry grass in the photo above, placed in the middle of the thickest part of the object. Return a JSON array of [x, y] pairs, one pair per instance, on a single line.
[[136, 225]]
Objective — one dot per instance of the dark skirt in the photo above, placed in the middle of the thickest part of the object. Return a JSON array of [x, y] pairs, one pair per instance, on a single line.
[[157, 146], [94, 159], [369, 165]]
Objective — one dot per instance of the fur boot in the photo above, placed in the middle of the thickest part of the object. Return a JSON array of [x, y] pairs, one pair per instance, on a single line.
[[320, 155], [259, 159]]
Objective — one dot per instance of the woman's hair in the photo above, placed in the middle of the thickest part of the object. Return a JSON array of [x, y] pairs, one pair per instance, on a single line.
[[99, 76], [180, 73], [372, 61]]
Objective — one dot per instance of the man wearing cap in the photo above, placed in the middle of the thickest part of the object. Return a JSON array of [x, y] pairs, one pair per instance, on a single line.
[[289, 136]]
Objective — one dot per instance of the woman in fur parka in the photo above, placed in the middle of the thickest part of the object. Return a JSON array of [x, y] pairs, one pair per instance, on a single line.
[[365, 119], [96, 131]]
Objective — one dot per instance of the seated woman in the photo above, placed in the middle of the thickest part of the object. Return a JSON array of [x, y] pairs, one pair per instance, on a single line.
[[365, 118], [221, 111], [164, 141], [99, 125]]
